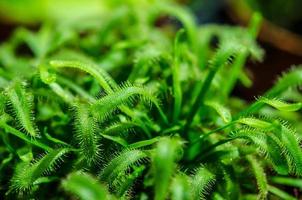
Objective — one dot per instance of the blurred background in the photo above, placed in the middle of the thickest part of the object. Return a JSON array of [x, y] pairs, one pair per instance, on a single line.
[[280, 35]]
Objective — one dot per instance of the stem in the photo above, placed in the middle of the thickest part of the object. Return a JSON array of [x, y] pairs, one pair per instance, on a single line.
[[199, 100], [175, 73], [220, 58], [24, 137], [64, 94], [202, 137], [234, 73], [280, 193], [55, 140], [255, 25], [75, 88]]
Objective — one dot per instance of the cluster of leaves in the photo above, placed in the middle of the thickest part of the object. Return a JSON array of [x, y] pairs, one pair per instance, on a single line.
[[123, 108]]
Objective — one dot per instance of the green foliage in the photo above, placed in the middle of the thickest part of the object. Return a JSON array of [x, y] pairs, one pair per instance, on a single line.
[[167, 152], [180, 187], [85, 187], [86, 127], [144, 111], [119, 164], [21, 103], [201, 183], [283, 106], [28, 174], [260, 177]]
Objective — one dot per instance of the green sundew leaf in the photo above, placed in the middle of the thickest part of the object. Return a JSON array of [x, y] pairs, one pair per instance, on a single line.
[[282, 136], [231, 188], [165, 155], [235, 72], [269, 144], [100, 75], [27, 173], [85, 187], [85, 133], [292, 149], [119, 164], [226, 51], [255, 123], [248, 49], [293, 182], [290, 79], [254, 135], [287, 139], [241, 37], [103, 107], [280, 193], [201, 183], [180, 187], [275, 150], [224, 113], [247, 38], [260, 177], [45, 180], [127, 180], [22, 106], [281, 105]]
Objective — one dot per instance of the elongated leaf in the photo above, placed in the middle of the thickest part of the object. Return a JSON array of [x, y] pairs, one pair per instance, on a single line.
[[293, 182], [260, 177], [100, 75], [164, 157], [85, 187], [202, 181], [180, 188], [27, 173], [85, 133], [119, 164], [224, 113], [22, 106], [281, 105]]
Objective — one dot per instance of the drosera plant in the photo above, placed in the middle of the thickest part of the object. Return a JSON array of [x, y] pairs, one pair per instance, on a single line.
[[126, 109]]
